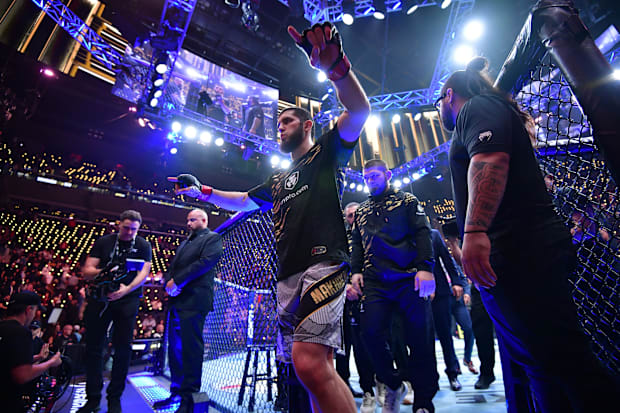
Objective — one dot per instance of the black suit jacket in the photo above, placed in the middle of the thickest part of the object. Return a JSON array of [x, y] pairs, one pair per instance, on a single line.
[[193, 271], [444, 263]]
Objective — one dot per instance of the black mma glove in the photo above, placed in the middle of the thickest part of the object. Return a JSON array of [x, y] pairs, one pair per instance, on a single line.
[[186, 184], [323, 45]]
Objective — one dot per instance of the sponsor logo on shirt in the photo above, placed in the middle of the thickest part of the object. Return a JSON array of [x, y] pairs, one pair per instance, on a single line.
[[293, 194], [318, 250], [485, 136], [291, 181]]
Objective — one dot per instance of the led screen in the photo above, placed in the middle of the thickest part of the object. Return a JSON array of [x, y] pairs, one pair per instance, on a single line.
[[206, 88]]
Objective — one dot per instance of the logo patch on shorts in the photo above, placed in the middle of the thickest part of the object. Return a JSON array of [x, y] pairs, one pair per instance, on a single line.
[[485, 136], [291, 180], [319, 250]]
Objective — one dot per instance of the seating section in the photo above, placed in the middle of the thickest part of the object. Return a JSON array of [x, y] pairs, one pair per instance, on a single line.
[[44, 252]]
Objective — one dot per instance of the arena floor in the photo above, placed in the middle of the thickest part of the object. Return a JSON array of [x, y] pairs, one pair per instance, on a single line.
[[144, 388]]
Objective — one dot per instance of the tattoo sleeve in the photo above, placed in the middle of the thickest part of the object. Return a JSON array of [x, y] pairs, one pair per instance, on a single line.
[[486, 180]]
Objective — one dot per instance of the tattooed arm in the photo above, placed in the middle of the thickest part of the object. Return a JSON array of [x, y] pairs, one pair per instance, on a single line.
[[486, 181]]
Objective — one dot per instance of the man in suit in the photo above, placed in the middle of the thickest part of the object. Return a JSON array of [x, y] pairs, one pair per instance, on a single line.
[[189, 283], [448, 283]]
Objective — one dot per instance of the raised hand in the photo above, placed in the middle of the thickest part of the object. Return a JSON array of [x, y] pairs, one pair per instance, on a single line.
[[186, 184], [323, 45]]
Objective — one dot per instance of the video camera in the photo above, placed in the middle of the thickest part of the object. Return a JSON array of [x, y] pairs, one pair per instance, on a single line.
[[112, 275], [43, 392]]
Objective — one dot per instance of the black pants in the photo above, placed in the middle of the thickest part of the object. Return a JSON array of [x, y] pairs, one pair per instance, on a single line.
[[442, 315], [462, 317], [536, 322], [353, 339], [122, 315], [483, 334], [185, 350], [381, 302]]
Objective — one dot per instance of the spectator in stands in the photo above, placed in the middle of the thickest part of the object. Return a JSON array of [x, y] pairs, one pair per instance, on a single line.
[[119, 307], [37, 334], [159, 330], [149, 322], [189, 283], [392, 263], [515, 247], [309, 229], [17, 365], [77, 332], [65, 338]]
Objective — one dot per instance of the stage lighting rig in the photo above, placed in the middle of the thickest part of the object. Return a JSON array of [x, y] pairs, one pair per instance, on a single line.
[[232, 3], [410, 6], [348, 12], [380, 9], [249, 18]]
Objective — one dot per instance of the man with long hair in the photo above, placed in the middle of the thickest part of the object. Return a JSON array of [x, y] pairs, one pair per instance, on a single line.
[[516, 249]]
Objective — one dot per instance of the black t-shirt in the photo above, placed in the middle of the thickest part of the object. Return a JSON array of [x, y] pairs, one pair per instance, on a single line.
[[216, 112], [486, 124], [306, 205], [255, 112], [105, 248], [15, 350]]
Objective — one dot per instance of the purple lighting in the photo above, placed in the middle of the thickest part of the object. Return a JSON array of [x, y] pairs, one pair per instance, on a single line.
[[48, 72]]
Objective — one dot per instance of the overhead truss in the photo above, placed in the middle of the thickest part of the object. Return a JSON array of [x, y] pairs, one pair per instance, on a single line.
[[80, 31]]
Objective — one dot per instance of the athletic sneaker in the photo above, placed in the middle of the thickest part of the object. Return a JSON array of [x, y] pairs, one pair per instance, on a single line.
[[380, 392], [408, 400], [369, 404], [393, 399]]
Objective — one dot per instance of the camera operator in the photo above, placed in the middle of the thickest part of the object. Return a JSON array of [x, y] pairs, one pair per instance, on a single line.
[[16, 351], [115, 302]]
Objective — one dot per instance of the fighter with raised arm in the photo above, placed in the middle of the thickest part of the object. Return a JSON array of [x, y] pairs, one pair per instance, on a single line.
[[310, 236]]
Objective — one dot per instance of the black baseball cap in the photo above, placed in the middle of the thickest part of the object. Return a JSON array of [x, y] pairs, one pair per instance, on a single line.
[[25, 298], [34, 325]]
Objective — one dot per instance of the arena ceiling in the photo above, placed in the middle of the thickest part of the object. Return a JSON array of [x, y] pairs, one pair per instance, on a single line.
[[392, 55]]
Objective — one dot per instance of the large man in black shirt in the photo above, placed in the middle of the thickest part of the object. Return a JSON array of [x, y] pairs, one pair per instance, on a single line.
[[392, 258], [515, 247], [119, 307], [309, 229], [189, 283], [16, 362]]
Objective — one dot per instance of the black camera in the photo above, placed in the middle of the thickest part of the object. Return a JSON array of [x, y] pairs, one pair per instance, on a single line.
[[109, 279], [112, 275], [43, 392]]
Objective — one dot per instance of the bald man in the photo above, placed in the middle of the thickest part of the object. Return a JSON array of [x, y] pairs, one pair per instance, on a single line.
[[189, 283]]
